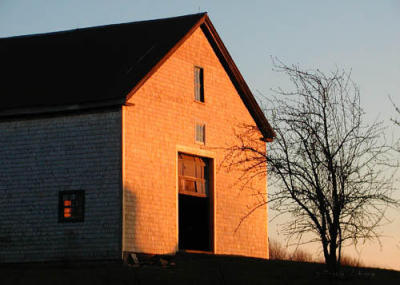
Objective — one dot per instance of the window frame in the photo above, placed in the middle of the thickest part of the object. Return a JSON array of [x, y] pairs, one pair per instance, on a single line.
[[200, 126], [199, 84], [80, 199], [200, 177]]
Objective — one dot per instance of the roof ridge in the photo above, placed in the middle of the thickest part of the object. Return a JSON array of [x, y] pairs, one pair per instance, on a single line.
[[99, 27]]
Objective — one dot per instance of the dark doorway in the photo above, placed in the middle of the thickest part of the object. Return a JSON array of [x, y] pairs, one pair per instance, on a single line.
[[194, 223], [195, 204]]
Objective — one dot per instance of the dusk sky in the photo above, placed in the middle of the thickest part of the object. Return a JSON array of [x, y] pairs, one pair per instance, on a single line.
[[363, 36]]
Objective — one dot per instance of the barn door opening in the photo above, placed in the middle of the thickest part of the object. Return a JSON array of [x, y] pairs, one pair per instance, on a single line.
[[195, 203]]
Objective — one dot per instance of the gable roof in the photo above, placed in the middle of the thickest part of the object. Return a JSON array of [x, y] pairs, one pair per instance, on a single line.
[[101, 66]]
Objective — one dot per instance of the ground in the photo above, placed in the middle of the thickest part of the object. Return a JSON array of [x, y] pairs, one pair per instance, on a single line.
[[188, 269]]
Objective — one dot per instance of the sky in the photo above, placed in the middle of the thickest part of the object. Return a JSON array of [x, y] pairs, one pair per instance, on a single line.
[[363, 36]]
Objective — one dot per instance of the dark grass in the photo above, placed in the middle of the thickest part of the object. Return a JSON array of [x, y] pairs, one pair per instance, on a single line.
[[277, 251], [190, 269]]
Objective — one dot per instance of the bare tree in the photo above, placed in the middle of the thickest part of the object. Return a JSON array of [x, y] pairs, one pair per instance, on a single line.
[[327, 165], [394, 120]]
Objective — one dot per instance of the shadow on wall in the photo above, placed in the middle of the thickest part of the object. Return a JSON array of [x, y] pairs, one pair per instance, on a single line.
[[129, 211], [133, 229]]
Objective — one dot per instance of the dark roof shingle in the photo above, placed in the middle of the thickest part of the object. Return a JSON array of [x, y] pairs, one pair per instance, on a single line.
[[85, 65]]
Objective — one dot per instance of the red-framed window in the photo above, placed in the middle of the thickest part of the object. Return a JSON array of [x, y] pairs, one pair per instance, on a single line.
[[71, 206]]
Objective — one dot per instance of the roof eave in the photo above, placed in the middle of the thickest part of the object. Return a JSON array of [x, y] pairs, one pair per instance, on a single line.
[[40, 110]]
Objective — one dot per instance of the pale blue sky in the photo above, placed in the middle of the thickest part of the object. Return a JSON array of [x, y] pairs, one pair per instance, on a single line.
[[362, 35]]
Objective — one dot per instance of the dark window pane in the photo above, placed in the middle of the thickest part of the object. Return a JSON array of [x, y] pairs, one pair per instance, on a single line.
[[71, 206], [199, 84], [189, 185], [200, 187]]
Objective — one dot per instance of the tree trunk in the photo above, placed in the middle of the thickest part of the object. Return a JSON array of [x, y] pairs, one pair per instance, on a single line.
[[331, 263]]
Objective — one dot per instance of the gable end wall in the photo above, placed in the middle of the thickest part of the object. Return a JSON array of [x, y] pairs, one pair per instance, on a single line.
[[158, 124]]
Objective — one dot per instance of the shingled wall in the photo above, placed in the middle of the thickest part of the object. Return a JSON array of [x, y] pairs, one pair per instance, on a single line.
[[40, 156], [159, 123]]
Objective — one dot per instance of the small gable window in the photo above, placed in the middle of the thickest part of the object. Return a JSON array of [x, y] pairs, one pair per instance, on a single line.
[[200, 133], [198, 84], [71, 206]]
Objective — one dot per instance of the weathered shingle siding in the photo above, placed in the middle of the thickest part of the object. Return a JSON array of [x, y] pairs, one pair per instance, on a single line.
[[159, 121], [40, 157]]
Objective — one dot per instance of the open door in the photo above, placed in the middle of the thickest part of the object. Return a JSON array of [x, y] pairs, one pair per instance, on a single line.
[[195, 203]]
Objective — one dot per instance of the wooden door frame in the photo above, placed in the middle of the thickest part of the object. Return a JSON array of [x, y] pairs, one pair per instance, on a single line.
[[211, 156]]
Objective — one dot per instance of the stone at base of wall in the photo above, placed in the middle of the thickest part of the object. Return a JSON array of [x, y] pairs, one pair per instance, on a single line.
[[141, 259]]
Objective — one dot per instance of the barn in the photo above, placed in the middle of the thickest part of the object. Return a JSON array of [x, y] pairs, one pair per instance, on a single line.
[[111, 142]]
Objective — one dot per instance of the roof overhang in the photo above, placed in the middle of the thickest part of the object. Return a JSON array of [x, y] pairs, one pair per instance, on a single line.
[[59, 108]]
